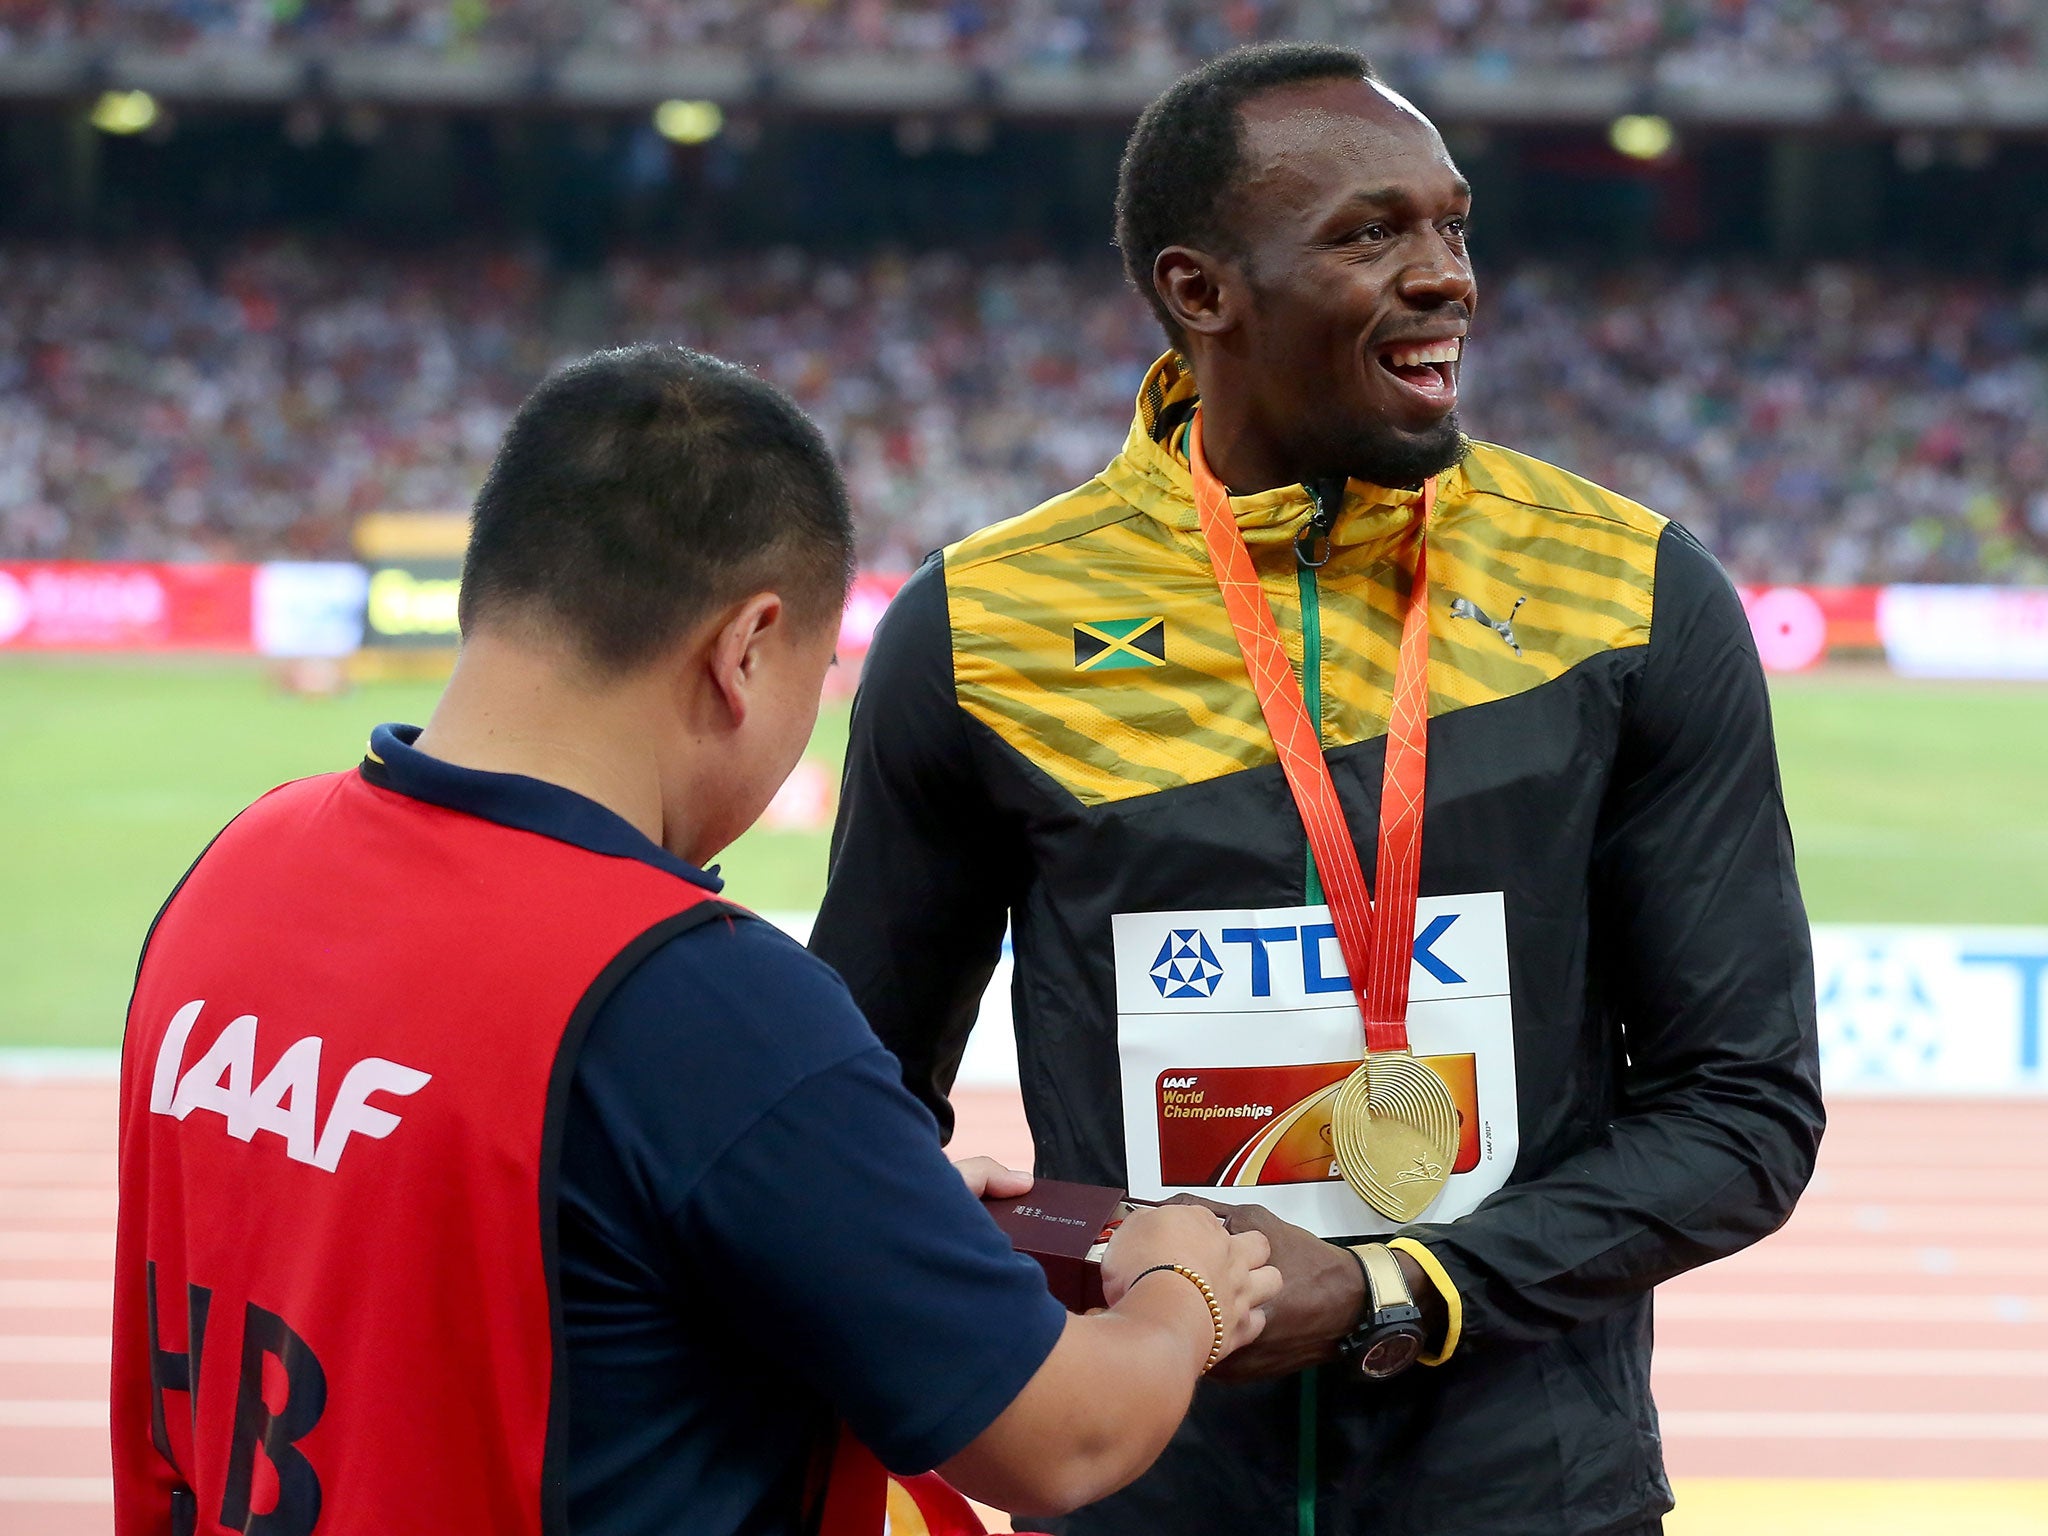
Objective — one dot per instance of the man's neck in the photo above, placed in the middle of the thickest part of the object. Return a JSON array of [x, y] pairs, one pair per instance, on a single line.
[[1239, 456], [1244, 457], [515, 708]]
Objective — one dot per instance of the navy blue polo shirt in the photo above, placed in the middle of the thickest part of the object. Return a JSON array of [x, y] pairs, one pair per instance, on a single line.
[[759, 1232]]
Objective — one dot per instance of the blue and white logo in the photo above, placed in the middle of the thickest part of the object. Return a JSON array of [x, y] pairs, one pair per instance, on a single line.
[[1879, 1021], [1186, 966]]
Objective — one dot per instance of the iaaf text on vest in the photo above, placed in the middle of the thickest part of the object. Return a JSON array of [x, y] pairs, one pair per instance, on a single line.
[[286, 1101]]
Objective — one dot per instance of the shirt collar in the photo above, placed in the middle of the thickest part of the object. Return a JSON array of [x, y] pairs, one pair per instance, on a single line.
[[514, 800]]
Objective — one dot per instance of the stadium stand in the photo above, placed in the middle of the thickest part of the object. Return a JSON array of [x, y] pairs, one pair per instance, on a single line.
[[1722, 34], [1840, 426]]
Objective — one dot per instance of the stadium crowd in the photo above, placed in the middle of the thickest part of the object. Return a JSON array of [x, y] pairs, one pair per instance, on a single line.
[[1835, 426], [1695, 35]]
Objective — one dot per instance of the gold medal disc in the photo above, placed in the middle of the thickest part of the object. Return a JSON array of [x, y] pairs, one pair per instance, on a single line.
[[1395, 1131]]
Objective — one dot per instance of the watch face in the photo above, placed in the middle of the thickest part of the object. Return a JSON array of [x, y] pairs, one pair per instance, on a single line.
[[1389, 1355]]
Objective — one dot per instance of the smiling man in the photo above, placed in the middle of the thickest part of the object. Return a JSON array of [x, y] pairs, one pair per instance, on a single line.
[[1608, 969]]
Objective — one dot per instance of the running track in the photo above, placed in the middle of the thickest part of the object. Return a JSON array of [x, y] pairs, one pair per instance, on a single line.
[[1897, 1329]]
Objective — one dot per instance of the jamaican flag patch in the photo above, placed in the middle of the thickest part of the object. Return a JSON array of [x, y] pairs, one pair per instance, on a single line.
[[1107, 643]]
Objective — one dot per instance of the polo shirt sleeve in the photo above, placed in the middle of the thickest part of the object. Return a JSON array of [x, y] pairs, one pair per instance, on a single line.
[[807, 1192]]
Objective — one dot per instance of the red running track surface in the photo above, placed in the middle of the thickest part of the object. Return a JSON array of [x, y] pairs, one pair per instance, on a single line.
[[1897, 1328]]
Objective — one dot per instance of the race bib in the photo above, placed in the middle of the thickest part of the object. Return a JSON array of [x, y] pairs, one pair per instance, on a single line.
[[1235, 1030]]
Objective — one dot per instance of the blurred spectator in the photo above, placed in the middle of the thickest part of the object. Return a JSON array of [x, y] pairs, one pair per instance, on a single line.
[[1835, 427], [1165, 35]]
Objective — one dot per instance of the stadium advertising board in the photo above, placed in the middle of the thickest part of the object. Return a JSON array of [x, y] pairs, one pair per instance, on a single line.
[[1941, 1012], [1797, 627], [283, 608], [1921, 631], [413, 581], [309, 608], [1999, 632], [412, 604], [404, 595], [1932, 1010], [63, 605], [415, 576]]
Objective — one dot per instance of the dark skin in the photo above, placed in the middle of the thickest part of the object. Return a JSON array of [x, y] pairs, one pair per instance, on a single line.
[[1349, 234], [1348, 252], [1322, 1297]]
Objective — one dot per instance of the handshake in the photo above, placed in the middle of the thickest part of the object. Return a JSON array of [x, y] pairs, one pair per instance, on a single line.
[[1097, 1249], [1181, 1293]]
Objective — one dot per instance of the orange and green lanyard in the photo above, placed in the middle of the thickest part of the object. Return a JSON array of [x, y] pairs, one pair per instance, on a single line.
[[1375, 936]]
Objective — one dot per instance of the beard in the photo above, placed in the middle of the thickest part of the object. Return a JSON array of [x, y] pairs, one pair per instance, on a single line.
[[1379, 455]]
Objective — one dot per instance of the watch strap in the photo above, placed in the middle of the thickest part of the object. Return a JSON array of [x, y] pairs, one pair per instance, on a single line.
[[1386, 1288]]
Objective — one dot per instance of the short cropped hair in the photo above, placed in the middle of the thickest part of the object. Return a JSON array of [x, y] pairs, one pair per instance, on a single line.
[[1185, 155], [639, 489]]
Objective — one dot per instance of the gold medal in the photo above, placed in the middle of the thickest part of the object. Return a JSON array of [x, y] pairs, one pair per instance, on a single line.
[[1394, 1126], [1395, 1132]]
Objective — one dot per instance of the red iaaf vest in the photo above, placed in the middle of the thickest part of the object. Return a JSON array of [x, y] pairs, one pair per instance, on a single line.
[[342, 1090]]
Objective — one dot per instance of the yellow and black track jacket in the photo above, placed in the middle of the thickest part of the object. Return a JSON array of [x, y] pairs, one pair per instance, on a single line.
[[1056, 727]]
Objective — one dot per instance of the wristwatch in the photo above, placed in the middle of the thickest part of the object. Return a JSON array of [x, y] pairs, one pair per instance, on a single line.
[[1388, 1337]]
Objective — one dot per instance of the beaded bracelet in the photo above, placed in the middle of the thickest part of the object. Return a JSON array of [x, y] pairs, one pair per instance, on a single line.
[[1215, 1308]]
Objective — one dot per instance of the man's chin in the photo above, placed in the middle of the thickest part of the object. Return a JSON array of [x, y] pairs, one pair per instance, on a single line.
[[1403, 460]]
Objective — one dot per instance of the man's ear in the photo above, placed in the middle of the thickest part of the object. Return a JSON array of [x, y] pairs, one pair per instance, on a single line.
[[735, 654], [1198, 290]]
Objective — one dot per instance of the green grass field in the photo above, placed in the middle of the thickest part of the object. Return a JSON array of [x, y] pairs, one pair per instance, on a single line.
[[1910, 801]]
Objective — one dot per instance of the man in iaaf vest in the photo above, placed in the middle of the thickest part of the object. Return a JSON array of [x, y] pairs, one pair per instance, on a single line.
[[481, 1172], [1608, 968]]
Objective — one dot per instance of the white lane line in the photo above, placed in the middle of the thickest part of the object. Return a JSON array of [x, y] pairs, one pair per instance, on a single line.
[[1918, 1223], [55, 1349], [56, 1490], [30, 1244], [1737, 1424], [1824, 1258], [51, 1166], [44, 1203], [1959, 1363], [1756, 1307], [2021, 1184], [53, 1413], [56, 1293]]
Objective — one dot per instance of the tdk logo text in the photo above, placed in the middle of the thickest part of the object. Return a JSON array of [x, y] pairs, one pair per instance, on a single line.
[[1186, 967]]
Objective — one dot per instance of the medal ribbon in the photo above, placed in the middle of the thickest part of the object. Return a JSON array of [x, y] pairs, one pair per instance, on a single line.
[[856, 1492], [1376, 937]]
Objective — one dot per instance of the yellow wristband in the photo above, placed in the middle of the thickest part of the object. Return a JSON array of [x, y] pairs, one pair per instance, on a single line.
[[1454, 1306]]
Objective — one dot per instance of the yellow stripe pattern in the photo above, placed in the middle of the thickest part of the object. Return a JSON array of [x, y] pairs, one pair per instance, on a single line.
[[1128, 543]]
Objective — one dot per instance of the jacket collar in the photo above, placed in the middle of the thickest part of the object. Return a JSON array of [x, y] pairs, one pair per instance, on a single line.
[[1152, 475]]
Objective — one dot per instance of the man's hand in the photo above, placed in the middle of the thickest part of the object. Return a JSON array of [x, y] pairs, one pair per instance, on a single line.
[[1321, 1299], [988, 1179]]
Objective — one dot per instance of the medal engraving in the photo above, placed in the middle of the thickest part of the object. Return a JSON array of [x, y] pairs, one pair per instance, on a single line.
[[1395, 1133]]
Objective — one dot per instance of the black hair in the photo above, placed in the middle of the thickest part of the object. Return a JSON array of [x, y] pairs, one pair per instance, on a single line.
[[638, 489], [1184, 156]]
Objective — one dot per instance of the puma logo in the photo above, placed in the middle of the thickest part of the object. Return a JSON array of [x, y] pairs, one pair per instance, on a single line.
[[1465, 608]]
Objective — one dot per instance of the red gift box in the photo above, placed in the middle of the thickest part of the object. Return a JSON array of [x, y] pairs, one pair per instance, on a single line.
[[1066, 1228]]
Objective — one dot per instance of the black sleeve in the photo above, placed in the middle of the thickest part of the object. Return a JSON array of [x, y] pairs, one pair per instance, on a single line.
[[924, 868], [1702, 954]]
